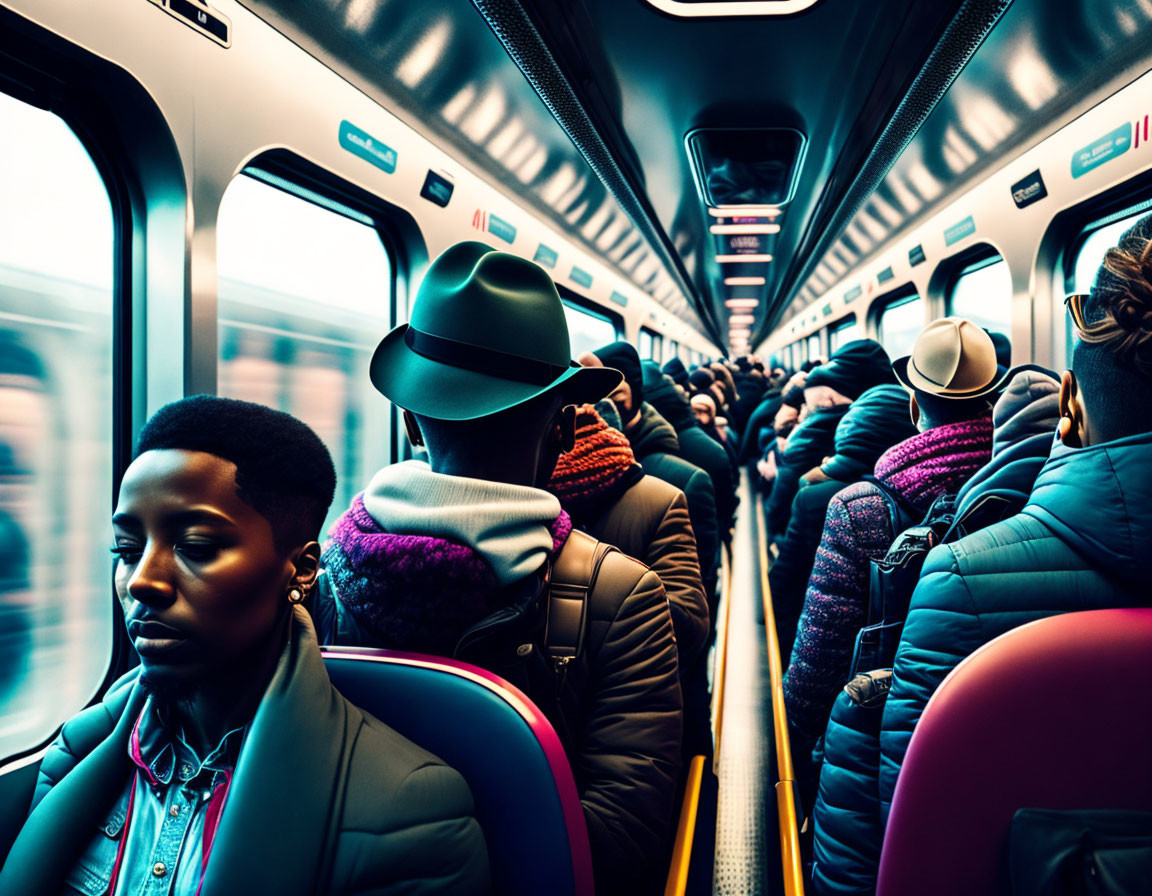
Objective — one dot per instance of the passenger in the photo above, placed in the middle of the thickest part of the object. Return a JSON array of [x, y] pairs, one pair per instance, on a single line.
[[846, 815], [955, 440], [874, 422], [761, 418], [226, 762], [750, 385], [695, 445], [675, 369], [727, 384], [828, 390], [607, 494], [451, 557], [703, 381], [1084, 538], [656, 447]]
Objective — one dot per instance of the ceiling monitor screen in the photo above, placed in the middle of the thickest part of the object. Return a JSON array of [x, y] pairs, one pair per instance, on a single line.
[[745, 166]]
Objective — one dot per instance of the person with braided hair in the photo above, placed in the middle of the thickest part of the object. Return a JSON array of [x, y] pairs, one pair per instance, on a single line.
[[1083, 538]]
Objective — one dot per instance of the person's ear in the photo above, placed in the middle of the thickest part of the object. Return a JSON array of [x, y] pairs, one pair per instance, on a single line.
[[914, 410], [415, 437], [1071, 428], [567, 425], [306, 567]]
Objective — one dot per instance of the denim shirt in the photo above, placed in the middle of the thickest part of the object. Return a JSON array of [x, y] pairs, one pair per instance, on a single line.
[[153, 842]]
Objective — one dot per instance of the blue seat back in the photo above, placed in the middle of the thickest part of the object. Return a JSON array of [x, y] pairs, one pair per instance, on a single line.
[[512, 759]]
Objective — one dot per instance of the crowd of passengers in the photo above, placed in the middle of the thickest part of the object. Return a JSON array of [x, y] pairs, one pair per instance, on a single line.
[[1024, 493], [227, 762]]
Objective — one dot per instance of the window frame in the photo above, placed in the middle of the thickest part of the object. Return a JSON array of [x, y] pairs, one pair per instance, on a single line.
[[846, 322], [959, 266], [657, 345], [905, 294]]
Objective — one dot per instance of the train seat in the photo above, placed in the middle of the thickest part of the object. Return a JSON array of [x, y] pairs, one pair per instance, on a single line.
[[1047, 716], [511, 757]]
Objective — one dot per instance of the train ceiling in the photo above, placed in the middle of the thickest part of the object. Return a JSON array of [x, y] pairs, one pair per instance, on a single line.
[[621, 122]]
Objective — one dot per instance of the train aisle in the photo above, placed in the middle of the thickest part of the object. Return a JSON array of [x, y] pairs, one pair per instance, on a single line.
[[747, 857]]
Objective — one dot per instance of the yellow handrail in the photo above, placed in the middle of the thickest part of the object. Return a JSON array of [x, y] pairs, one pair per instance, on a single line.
[[786, 786], [721, 657], [685, 830]]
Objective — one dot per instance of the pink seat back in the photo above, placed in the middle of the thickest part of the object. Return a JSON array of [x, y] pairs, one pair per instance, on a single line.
[[1050, 715]]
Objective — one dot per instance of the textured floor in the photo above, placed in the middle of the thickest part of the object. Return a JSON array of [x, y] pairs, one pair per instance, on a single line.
[[747, 858]]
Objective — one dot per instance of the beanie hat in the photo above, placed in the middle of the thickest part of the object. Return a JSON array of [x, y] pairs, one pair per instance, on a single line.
[[854, 369], [661, 393], [873, 423], [701, 379], [623, 357], [1029, 406], [599, 467], [675, 369]]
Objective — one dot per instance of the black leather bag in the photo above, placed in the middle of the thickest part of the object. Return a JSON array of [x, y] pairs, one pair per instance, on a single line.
[[1090, 852]]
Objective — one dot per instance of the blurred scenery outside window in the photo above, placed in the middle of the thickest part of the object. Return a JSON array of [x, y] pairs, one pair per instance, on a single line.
[[57, 244]]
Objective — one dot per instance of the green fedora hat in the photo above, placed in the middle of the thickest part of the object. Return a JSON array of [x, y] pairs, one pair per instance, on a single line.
[[487, 332]]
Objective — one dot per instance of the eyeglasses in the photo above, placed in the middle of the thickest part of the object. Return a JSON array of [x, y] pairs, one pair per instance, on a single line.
[[1075, 307]]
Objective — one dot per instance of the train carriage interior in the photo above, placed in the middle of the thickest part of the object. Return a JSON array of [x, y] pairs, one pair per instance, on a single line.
[[796, 214]]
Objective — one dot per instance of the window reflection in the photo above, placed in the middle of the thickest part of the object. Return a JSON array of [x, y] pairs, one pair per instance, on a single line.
[[56, 251]]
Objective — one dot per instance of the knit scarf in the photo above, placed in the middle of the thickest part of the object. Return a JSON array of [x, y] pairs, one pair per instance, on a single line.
[[599, 468], [936, 462]]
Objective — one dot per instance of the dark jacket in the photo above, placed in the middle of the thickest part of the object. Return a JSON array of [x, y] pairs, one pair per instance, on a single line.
[[761, 419], [810, 442], [325, 799], [857, 530], [696, 446], [1081, 543], [656, 447], [650, 522], [875, 422], [617, 709]]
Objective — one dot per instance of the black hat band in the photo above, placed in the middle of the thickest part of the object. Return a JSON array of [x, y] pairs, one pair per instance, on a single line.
[[482, 360]]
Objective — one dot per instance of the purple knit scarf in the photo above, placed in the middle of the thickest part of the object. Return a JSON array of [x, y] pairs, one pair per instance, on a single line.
[[413, 592], [936, 462]]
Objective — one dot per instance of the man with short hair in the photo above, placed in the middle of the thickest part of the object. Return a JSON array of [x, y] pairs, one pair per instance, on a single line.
[[454, 556]]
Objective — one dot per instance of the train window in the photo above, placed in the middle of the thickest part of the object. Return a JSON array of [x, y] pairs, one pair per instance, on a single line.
[[901, 321], [673, 351], [305, 293], [843, 332], [814, 350], [57, 243], [588, 330], [982, 293], [650, 345]]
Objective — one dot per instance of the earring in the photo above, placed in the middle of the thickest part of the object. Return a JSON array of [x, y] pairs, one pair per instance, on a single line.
[[295, 596], [1064, 428]]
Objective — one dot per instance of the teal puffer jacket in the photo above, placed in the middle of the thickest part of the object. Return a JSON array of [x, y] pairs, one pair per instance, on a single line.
[[1081, 543]]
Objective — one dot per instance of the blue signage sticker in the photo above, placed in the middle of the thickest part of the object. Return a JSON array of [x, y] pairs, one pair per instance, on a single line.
[[582, 277], [619, 298], [1101, 150], [885, 275], [363, 144], [501, 228], [546, 257], [854, 293], [828, 310], [916, 256], [959, 230]]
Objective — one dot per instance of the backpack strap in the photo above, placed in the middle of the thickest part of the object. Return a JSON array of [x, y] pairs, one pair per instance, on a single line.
[[901, 514], [571, 580]]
